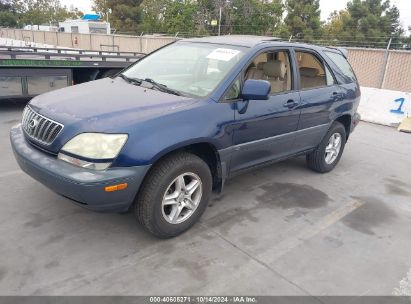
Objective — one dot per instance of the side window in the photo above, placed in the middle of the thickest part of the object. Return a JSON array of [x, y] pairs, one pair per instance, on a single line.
[[343, 64], [234, 91], [313, 74], [329, 77], [273, 66]]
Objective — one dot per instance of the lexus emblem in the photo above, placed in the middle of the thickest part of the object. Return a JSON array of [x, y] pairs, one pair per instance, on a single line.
[[33, 123]]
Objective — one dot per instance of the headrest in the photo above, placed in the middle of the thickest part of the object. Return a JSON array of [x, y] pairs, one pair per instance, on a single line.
[[260, 65], [308, 72], [274, 68]]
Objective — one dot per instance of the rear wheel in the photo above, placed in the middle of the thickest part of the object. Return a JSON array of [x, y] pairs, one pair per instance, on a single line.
[[174, 195], [328, 153]]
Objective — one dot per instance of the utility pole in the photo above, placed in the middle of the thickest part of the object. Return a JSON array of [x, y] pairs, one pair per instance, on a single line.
[[384, 67], [219, 23], [107, 10]]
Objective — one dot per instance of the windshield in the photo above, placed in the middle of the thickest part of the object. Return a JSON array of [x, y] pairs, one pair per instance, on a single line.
[[191, 68]]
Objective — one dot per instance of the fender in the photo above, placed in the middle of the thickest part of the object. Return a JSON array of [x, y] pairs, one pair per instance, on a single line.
[[205, 122]]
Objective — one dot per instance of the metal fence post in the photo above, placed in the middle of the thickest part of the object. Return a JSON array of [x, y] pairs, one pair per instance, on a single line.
[[385, 62]]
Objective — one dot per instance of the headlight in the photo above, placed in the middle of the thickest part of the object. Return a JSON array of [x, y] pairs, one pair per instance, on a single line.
[[93, 146]]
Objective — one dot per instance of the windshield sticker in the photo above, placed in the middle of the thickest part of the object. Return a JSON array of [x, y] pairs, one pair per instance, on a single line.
[[223, 54]]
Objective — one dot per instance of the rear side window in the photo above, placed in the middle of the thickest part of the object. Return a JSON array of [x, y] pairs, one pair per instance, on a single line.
[[313, 74], [343, 64]]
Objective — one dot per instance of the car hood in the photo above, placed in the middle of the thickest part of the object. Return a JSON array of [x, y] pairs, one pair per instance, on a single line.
[[103, 106], [106, 105]]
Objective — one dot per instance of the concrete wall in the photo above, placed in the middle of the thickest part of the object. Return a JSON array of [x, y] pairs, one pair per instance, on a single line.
[[384, 107]]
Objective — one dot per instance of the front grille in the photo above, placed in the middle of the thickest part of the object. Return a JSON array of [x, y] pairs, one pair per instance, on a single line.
[[40, 128]]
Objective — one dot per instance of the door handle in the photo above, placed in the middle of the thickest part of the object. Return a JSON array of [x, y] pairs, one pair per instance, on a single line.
[[337, 96], [290, 103]]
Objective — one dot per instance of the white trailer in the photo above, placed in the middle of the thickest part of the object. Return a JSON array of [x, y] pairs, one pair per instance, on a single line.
[[46, 28], [81, 26]]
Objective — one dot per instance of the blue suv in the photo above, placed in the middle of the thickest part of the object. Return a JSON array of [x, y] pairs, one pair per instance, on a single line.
[[166, 132]]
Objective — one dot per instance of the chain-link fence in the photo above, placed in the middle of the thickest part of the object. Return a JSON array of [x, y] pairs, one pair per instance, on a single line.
[[383, 69]]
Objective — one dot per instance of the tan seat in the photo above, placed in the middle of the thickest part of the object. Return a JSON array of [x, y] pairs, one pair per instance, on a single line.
[[255, 72], [274, 72], [310, 78]]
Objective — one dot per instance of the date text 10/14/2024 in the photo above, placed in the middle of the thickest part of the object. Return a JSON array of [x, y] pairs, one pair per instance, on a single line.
[[204, 299]]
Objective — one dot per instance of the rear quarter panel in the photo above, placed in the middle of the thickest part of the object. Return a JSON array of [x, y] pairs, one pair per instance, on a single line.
[[350, 91]]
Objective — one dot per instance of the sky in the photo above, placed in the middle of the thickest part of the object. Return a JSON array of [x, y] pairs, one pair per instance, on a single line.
[[326, 6]]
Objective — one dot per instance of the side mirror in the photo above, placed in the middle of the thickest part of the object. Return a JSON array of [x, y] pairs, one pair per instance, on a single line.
[[256, 90]]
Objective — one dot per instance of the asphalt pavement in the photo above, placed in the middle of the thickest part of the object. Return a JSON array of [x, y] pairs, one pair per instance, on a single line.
[[280, 230]]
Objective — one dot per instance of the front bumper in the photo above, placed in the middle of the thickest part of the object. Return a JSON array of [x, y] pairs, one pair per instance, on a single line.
[[85, 187]]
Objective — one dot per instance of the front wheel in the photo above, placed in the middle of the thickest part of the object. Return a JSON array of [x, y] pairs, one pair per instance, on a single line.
[[174, 195], [328, 153]]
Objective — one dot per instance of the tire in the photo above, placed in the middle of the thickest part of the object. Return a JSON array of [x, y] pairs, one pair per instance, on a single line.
[[152, 209], [317, 160]]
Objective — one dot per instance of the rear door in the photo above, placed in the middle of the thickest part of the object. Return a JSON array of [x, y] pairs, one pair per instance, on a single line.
[[319, 93], [265, 129]]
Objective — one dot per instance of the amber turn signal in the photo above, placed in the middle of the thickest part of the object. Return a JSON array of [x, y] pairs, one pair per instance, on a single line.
[[116, 187]]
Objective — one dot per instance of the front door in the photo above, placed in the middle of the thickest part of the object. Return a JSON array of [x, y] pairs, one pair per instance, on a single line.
[[265, 129]]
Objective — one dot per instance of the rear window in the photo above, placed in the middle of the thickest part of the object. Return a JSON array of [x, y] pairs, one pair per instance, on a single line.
[[343, 64]]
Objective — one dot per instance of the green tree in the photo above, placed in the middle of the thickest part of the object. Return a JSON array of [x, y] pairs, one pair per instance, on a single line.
[[179, 16], [5, 6], [153, 12], [189, 17], [302, 20], [366, 23], [42, 11], [8, 17], [185, 17], [124, 15], [101, 7], [334, 29], [407, 40], [254, 16], [207, 10]]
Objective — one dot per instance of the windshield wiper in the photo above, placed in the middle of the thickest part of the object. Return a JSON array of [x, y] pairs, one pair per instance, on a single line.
[[154, 84], [162, 87], [135, 81]]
